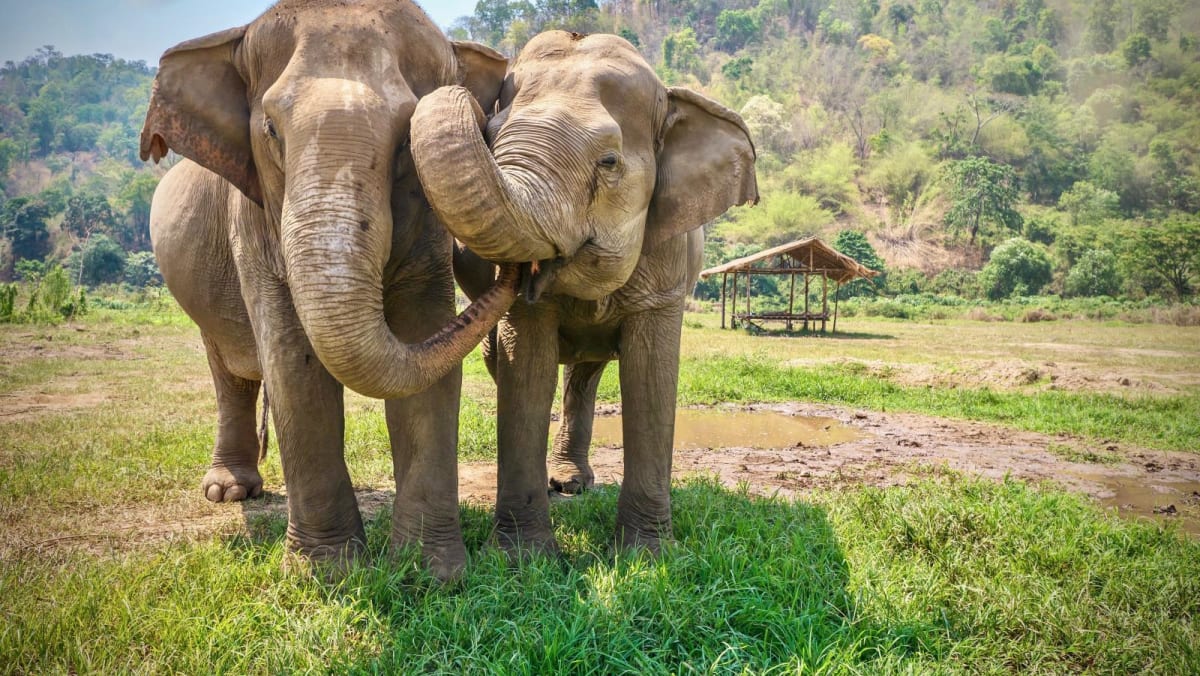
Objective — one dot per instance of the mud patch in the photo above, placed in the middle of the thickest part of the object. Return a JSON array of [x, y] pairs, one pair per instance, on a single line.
[[706, 428], [896, 448], [891, 449]]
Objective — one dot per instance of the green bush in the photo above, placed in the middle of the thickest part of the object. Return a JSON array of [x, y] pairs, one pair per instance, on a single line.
[[103, 261], [1095, 274], [1017, 267], [141, 270]]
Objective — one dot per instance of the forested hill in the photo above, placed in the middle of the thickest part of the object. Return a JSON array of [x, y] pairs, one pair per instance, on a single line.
[[69, 169], [938, 128]]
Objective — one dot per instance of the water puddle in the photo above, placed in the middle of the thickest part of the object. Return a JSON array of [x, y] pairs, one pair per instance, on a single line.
[[714, 428], [1164, 501]]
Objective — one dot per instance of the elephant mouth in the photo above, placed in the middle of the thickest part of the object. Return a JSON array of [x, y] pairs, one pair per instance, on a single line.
[[536, 277]]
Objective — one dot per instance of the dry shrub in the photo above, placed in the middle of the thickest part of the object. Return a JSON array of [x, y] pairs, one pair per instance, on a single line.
[[1038, 315], [1178, 315], [981, 315]]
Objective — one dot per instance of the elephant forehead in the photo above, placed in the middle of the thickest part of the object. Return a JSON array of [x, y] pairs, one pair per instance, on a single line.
[[349, 39]]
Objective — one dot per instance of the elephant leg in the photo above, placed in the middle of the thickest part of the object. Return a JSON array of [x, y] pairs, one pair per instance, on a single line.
[[570, 471], [324, 524], [424, 436], [649, 377], [234, 474], [526, 377]]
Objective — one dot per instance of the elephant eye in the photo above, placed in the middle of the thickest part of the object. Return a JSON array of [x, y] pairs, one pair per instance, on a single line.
[[609, 161], [270, 125]]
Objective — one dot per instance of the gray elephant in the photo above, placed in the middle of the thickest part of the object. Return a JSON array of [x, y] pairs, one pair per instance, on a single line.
[[298, 238], [597, 180]]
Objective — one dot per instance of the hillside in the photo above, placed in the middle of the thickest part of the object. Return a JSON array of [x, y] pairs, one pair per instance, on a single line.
[[939, 128], [70, 176]]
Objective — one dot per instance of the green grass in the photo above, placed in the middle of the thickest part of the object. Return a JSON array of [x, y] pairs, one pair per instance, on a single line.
[[943, 576], [948, 575], [1163, 422]]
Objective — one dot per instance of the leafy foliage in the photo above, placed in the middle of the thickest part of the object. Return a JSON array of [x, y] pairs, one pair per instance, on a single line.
[[855, 245], [982, 194], [1017, 267]]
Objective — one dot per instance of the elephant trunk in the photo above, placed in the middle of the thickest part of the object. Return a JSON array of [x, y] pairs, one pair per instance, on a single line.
[[336, 234], [501, 213]]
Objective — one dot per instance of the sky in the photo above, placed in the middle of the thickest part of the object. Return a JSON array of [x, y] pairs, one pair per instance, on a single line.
[[140, 29]]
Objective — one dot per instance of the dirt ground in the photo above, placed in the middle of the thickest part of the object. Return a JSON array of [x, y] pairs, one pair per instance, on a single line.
[[898, 447], [885, 449], [891, 449]]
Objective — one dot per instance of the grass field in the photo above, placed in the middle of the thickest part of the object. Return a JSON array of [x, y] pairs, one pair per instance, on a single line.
[[106, 427]]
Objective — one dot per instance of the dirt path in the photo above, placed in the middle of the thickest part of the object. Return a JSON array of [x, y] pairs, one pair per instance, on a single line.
[[892, 449]]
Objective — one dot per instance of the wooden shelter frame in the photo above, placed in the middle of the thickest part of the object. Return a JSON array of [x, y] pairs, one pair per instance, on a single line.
[[806, 257]]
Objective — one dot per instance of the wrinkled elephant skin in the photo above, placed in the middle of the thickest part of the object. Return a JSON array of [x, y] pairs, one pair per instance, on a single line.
[[597, 178], [296, 235]]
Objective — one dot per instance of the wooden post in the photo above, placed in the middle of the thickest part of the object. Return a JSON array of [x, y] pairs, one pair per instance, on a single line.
[[807, 280], [748, 276], [724, 284], [791, 300], [836, 292], [824, 301], [733, 302]]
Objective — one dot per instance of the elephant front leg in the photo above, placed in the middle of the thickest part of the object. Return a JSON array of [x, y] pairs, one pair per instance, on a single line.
[[234, 475], [526, 376], [324, 524], [570, 471], [424, 435], [649, 378]]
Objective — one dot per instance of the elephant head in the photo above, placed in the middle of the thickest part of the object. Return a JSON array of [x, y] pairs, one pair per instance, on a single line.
[[593, 162], [306, 111]]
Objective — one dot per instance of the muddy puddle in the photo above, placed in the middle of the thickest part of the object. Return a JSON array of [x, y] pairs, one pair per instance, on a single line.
[[715, 428], [1165, 501]]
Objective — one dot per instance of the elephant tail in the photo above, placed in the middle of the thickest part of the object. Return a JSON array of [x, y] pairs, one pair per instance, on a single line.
[[263, 434]]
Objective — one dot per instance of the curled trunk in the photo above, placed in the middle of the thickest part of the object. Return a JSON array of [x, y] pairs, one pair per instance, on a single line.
[[336, 240], [492, 210]]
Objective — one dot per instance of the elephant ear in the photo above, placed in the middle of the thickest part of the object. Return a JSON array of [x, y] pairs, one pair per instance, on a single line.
[[705, 166], [199, 109], [481, 71]]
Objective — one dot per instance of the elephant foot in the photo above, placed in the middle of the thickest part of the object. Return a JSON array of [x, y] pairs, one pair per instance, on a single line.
[[571, 479], [521, 547], [329, 563], [231, 484], [651, 541], [445, 556], [445, 563]]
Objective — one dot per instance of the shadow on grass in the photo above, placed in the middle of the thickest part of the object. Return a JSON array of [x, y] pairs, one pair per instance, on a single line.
[[749, 583]]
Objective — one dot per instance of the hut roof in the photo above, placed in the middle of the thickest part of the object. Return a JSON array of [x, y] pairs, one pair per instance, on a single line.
[[824, 259]]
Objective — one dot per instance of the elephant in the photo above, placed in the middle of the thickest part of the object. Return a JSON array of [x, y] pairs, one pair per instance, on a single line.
[[596, 178], [296, 235]]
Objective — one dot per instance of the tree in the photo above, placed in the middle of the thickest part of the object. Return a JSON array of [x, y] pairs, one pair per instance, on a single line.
[[1096, 274], [1088, 204], [855, 245], [134, 199], [1170, 252], [24, 224], [87, 212], [1136, 49], [1017, 267], [736, 28], [982, 193], [141, 270], [681, 53], [102, 261]]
